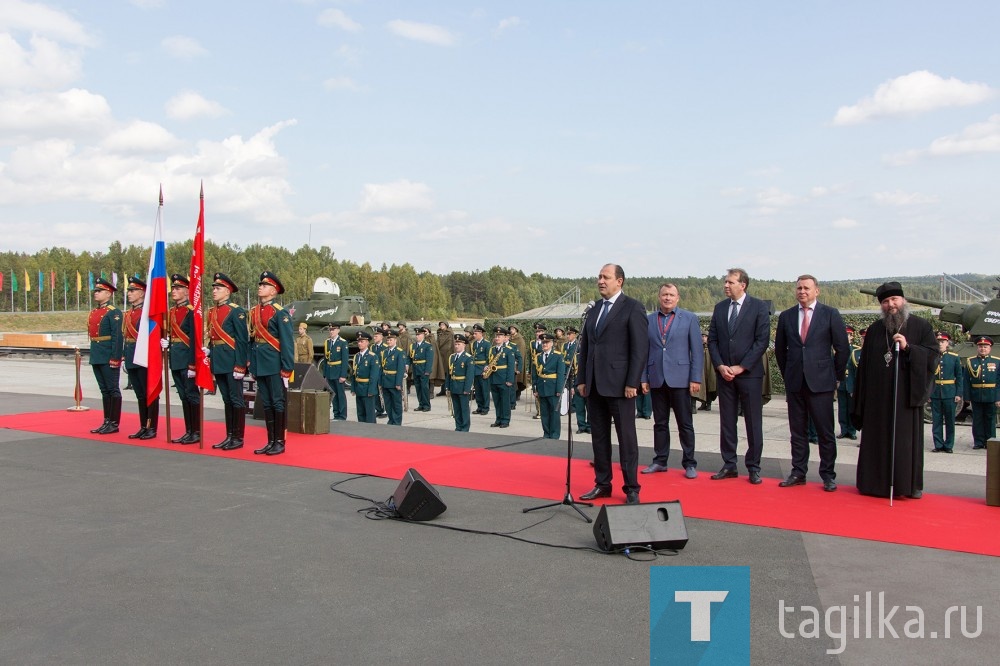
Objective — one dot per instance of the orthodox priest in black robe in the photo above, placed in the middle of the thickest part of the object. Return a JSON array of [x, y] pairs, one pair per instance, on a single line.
[[917, 359]]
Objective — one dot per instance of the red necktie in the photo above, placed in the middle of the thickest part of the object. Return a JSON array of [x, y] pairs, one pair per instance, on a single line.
[[805, 324]]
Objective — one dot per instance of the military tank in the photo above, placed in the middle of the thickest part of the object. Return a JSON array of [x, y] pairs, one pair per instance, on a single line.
[[326, 306], [975, 318]]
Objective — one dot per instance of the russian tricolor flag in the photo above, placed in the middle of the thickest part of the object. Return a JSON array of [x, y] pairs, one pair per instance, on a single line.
[[154, 309]]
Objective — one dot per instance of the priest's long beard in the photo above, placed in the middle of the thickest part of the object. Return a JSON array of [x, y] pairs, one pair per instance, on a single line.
[[894, 320]]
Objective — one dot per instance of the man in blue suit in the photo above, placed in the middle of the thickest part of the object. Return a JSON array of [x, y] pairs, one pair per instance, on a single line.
[[672, 375], [738, 335], [612, 356], [806, 334]]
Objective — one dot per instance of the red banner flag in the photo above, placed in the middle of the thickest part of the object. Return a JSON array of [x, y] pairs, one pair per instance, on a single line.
[[52, 282], [203, 372]]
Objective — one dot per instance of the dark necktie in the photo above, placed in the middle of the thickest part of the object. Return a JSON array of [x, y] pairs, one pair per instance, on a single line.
[[602, 316], [732, 318]]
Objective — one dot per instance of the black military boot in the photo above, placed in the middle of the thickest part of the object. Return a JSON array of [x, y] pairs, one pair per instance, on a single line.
[[186, 408], [107, 415], [195, 435], [229, 428], [142, 420], [239, 424], [114, 417], [152, 421], [269, 422], [279, 435]]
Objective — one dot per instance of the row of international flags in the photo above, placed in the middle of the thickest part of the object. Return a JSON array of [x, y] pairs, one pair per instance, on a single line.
[[15, 285]]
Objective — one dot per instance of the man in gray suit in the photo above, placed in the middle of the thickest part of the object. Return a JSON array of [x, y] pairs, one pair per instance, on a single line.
[[672, 375], [806, 334], [612, 356], [738, 335]]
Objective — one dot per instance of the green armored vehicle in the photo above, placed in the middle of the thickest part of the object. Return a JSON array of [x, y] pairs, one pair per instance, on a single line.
[[326, 306]]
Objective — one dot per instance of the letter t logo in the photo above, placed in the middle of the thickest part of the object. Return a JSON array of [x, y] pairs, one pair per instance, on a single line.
[[701, 610]]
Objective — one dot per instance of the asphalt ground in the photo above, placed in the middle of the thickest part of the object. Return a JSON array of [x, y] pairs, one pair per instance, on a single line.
[[125, 555]]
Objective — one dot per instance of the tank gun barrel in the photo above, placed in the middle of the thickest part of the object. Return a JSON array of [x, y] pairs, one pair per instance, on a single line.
[[911, 299], [964, 314]]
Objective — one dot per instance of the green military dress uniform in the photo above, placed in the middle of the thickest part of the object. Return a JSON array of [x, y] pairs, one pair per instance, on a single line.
[[149, 414], [548, 377], [104, 327], [180, 329], [272, 360], [367, 377], [379, 351], [229, 347], [422, 362], [337, 356], [845, 391], [501, 381], [393, 378], [461, 377], [579, 403], [480, 357], [948, 383], [980, 386]]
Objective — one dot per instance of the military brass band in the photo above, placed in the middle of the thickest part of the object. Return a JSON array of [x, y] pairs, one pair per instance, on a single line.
[[620, 361]]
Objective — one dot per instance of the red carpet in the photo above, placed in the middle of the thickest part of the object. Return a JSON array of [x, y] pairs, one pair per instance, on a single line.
[[936, 521]]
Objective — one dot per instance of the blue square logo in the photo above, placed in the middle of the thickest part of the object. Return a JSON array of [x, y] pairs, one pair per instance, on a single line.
[[699, 615]]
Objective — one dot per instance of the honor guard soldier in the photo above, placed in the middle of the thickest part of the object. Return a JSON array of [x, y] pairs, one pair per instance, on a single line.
[[228, 355], [500, 366], [422, 360], [272, 359], [367, 377], [104, 326], [393, 376], [480, 357], [579, 403], [845, 388], [548, 377], [980, 385], [336, 354], [461, 376], [947, 391], [180, 326], [149, 415]]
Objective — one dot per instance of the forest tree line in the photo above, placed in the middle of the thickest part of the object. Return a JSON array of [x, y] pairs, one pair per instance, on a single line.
[[400, 291]]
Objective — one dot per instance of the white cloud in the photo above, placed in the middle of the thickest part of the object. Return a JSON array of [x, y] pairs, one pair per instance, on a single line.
[[913, 93], [45, 65], [147, 4], [335, 18], [73, 113], [341, 83], [188, 104], [139, 137], [900, 198], [506, 24], [400, 195], [183, 48], [422, 32], [844, 223], [37, 19], [981, 137], [611, 169], [772, 199]]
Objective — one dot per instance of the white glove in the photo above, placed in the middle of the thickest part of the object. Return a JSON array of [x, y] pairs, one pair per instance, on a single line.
[[284, 380], [206, 351], [164, 343], [238, 376], [191, 374]]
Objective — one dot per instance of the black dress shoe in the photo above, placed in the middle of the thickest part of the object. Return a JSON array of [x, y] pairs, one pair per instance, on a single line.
[[631, 498], [829, 485], [98, 429], [598, 492], [754, 478], [504, 425], [916, 494], [725, 474], [149, 434], [792, 480], [112, 428], [494, 425], [138, 434], [276, 450]]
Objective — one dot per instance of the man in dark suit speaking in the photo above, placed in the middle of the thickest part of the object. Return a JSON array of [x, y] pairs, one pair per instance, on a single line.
[[806, 334], [737, 338], [613, 351]]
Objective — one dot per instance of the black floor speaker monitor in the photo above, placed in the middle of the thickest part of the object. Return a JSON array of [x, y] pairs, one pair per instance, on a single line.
[[659, 526], [415, 499]]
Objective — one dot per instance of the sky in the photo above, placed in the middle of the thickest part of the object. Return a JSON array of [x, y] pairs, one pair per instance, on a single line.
[[846, 139]]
